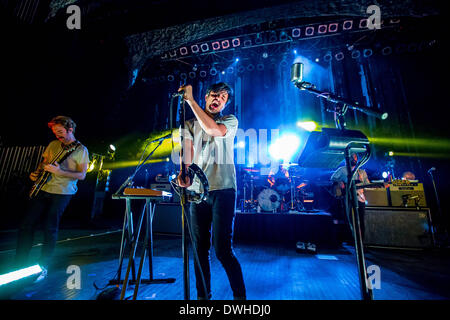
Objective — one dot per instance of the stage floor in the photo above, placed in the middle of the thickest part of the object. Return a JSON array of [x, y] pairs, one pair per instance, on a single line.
[[271, 272]]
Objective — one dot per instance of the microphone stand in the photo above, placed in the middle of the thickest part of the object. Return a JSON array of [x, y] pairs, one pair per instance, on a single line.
[[129, 180], [183, 202], [351, 202], [441, 218], [336, 99]]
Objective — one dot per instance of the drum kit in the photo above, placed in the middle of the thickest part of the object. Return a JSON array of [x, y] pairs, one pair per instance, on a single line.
[[285, 191]]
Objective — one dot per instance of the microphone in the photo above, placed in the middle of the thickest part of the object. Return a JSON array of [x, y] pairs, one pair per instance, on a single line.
[[178, 94], [297, 72]]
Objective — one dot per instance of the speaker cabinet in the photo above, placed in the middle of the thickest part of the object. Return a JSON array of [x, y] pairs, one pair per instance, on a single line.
[[398, 227]]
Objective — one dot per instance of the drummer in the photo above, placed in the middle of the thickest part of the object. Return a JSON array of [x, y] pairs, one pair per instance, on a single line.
[[279, 180]]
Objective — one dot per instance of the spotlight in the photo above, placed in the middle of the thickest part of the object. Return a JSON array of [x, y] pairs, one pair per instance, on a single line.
[[309, 31], [183, 51], [192, 74], [111, 152], [273, 36], [247, 43], [260, 67], [235, 42], [339, 56], [241, 69], [385, 174], [230, 70], [285, 147], [250, 67], [225, 44], [213, 71], [195, 48], [92, 165], [386, 51], [332, 27], [327, 57], [347, 25], [296, 32], [283, 36], [356, 54], [183, 76], [391, 153], [322, 29], [204, 47], [367, 53], [317, 60], [363, 23], [203, 73], [215, 45], [223, 72], [237, 59], [173, 53], [170, 77], [295, 51], [307, 125], [265, 55]]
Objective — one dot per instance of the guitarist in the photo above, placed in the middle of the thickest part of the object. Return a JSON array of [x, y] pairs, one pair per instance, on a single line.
[[209, 142], [49, 203], [339, 179]]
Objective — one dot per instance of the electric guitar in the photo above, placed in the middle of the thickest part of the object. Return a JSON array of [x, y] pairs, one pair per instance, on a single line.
[[43, 175]]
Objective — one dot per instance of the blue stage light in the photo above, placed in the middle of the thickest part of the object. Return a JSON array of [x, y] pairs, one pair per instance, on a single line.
[[385, 175], [285, 147], [237, 60]]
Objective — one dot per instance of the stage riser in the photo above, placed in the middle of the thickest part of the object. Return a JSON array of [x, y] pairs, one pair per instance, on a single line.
[[261, 227]]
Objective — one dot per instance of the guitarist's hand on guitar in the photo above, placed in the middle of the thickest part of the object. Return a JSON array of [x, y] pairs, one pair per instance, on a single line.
[[53, 168], [34, 175]]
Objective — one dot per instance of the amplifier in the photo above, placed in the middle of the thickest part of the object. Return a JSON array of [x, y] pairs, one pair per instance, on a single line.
[[166, 187], [376, 197], [408, 195], [398, 227]]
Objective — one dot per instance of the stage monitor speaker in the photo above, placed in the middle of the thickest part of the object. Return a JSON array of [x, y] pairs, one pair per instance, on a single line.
[[398, 227], [376, 197]]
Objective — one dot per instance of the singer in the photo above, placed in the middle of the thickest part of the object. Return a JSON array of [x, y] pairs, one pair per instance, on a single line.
[[208, 142]]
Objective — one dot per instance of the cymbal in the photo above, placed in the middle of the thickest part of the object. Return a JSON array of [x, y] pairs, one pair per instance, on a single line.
[[289, 164]]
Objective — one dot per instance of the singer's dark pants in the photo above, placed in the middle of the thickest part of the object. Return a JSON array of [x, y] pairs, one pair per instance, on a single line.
[[219, 211], [46, 208]]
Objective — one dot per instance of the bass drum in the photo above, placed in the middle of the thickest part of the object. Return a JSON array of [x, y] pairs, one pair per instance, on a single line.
[[269, 200]]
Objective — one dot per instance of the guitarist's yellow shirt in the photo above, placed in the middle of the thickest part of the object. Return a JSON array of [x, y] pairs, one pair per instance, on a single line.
[[63, 185]]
